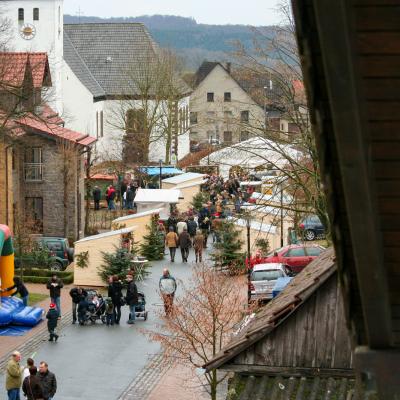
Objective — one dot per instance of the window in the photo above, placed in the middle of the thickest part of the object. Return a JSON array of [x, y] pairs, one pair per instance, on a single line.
[[210, 97], [210, 116], [298, 252], [21, 16], [135, 120], [267, 275], [36, 14], [227, 96], [212, 137], [228, 114], [244, 116], [54, 246], [97, 124], [227, 137], [101, 124], [244, 135], [34, 213], [33, 164], [193, 117], [314, 251]]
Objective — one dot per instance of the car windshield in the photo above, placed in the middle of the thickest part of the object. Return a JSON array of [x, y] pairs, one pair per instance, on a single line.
[[274, 251], [313, 251], [266, 275]]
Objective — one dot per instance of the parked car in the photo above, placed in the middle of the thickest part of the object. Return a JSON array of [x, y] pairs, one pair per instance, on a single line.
[[312, 228], [61, 254], [263, 279], [295, 257]]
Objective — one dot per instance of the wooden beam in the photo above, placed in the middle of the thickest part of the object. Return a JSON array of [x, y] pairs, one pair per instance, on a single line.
[[348, 110]]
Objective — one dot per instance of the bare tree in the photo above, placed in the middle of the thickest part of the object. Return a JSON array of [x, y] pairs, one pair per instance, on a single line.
[[202, 321]]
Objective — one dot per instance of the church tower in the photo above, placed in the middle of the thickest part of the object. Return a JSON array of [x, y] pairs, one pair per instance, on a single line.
[[37, 26]]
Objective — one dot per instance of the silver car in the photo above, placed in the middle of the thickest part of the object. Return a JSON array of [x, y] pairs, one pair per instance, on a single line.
[[263, 279]]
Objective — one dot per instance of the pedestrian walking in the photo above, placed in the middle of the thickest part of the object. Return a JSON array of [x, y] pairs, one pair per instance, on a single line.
[[167, 287], [111, 194], [192, 227], [52, 320], [14, 376], [19, 288], [76, 294], [171, 241], [55, 285], [31, 386], [180, 226], [132, 298], [205, 228], [47, 380], [29, 363], [130, 195], [115, 292], [198, 243], [172, 221], [109, 312], [184, 244], [96, 197]]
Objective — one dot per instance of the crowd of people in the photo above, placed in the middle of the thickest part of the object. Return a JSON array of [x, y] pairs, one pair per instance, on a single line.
[[36, 383]]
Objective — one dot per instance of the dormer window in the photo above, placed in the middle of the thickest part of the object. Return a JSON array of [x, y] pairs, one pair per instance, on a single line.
[[21, 16], [36, 14]]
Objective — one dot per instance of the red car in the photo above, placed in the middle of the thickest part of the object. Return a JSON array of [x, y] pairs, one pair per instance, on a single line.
[[295, 257]]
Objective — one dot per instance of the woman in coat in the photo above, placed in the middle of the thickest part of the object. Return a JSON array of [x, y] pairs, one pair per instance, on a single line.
[[115, 292]]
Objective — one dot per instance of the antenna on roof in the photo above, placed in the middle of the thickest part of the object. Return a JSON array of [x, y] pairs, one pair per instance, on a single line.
[[79, 13]]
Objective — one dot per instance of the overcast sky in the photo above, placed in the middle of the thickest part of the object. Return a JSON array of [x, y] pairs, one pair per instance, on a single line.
[[249, 12]]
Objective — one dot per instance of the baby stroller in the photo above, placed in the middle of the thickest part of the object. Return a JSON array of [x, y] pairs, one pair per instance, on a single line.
[[92, 308], [140, 309]]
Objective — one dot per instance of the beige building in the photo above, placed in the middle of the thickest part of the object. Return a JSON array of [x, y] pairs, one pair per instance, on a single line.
[[222, 111]]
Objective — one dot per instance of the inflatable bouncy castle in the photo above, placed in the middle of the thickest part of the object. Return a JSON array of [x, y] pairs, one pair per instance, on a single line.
[[12, 309]]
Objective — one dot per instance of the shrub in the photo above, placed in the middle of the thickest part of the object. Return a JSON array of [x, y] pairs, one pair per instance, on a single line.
[[68, 279]]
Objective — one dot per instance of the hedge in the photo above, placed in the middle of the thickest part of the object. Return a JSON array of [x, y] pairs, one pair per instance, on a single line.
[[46, 273], [44, 279]]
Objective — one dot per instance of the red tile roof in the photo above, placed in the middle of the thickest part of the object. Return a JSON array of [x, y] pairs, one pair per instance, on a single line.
[[13, 69], [103, 177]]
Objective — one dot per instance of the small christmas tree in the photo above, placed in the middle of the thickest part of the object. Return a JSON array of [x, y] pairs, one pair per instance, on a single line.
[[153, 243], [228, 252]]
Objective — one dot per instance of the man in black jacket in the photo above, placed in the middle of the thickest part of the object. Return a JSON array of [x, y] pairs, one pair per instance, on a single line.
[[54, 285], [47, 380], [96, 197], [132, 298], [77, 294], [192, 227]]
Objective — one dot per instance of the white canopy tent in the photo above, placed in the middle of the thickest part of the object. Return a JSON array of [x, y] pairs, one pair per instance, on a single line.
[[148, 199], [251, 154]]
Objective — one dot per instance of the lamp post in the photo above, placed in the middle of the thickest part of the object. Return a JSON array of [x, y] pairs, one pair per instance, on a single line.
[[160, 161], [248, 226], [281, 215]]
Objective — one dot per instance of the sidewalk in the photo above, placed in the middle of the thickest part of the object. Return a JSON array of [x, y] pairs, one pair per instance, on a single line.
[[37, 334]]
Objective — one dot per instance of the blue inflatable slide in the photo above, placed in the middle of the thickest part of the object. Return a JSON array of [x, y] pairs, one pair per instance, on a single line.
[[13, 312]]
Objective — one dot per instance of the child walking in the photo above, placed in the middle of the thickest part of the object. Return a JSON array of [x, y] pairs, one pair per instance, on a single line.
[[52, 320], [109, 312]]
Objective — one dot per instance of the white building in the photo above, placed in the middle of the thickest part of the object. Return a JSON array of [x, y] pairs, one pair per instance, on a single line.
[[89, 64]]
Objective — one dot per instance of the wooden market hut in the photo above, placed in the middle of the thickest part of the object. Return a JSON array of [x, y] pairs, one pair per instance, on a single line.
[[298, 345]]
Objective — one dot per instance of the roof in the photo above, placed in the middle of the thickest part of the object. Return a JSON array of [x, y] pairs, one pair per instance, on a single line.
[[255, 225], [107, 234], [103, 177], [157, 196], [182, 178], [205, 68], [13, 69], [164, 170], [301, 287], [109, 58], [138, 215], [292, 387]]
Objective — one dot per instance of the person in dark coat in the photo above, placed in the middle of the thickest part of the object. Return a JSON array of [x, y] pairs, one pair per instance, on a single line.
[[205, 228], [31, 385], [20, 289], [52, 320], [54, 285], [130, 195], [77, 294], [96, 197], [132, 298], [83, 307], [48, 381], [115, 292], [172, 221], [192, 227], [184, 244]]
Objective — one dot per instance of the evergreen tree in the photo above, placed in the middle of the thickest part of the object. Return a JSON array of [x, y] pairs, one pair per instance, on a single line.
[[228, 251], [117, 263], [153, 242]]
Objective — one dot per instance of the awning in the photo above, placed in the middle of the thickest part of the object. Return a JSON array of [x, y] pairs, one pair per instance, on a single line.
[[152, 171]]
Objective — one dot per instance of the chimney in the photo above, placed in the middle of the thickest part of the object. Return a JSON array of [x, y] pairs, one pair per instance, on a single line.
[[228, 67]]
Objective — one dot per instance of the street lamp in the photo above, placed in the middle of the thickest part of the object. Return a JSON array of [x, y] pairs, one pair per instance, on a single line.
[[248, 226], [160, 161]]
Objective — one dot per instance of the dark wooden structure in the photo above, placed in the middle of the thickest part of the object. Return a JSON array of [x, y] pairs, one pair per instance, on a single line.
[[350, 53], [299, 341]]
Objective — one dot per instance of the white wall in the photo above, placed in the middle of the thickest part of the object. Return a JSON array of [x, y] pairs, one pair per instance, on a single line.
[[218, 82], [48, 37]]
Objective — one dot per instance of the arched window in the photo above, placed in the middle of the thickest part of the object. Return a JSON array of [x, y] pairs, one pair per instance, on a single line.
[[36, 14], [21, 15], [135, 121]]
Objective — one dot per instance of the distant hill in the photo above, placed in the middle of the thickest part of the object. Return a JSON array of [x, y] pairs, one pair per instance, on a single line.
[[194, 42]]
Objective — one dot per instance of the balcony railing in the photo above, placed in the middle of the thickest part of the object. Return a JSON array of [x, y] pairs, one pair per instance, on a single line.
[[33, 172]]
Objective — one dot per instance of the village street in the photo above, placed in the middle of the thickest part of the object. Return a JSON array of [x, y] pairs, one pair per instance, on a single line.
[[100, 362]]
